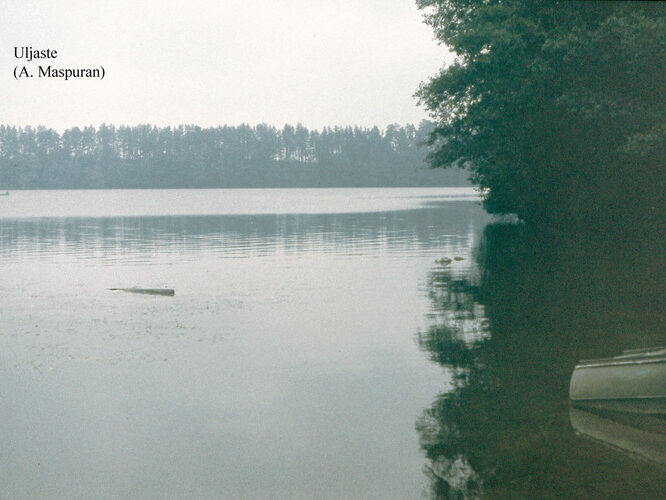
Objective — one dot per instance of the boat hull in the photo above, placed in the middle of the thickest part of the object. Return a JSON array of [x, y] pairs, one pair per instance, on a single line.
[[633, 382]]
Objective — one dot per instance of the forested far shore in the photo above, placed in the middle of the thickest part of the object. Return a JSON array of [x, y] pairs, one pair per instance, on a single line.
[[189, 156]]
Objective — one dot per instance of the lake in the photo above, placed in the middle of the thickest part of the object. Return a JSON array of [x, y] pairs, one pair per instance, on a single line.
[[321, 343], [286, 364]]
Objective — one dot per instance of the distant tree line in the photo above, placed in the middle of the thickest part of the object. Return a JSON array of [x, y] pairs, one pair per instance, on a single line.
[[189, 156]]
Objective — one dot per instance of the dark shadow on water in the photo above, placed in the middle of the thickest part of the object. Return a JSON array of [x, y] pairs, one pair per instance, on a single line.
[[510, 333]]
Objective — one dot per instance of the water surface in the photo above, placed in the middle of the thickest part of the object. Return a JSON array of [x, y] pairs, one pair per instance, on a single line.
[[314, 347], [510, 333], [285, 366]]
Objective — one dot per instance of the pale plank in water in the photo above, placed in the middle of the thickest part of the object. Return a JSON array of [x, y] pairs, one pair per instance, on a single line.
[[147, 291]]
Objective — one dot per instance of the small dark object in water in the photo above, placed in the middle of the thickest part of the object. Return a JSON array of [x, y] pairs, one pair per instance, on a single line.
[[6, 193], [459, 258], [146, 291]]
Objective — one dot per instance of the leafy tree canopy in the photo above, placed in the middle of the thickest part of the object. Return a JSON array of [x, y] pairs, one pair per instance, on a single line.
[[556, 107]]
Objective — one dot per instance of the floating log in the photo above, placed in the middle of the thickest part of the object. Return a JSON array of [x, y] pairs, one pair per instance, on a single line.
[[146, 291]]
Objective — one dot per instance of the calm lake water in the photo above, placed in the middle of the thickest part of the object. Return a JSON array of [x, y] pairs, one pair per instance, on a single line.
[[313, 348], [285, 366]]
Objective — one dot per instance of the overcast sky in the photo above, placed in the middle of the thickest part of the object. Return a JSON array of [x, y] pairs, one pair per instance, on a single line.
[[205, 62]]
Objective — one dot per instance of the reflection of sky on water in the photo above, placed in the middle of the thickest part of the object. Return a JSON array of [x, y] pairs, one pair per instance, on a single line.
[[156, 202], [450, 224], [285, 361]]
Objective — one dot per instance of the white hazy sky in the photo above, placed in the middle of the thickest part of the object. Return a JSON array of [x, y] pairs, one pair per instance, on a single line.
[[205, 62]]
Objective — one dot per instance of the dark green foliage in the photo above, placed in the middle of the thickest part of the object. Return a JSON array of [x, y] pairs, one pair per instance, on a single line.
[[189, 156], [556, 107]]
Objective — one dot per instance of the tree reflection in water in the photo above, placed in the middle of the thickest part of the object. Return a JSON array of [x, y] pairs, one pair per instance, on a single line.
[[510, 334]]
